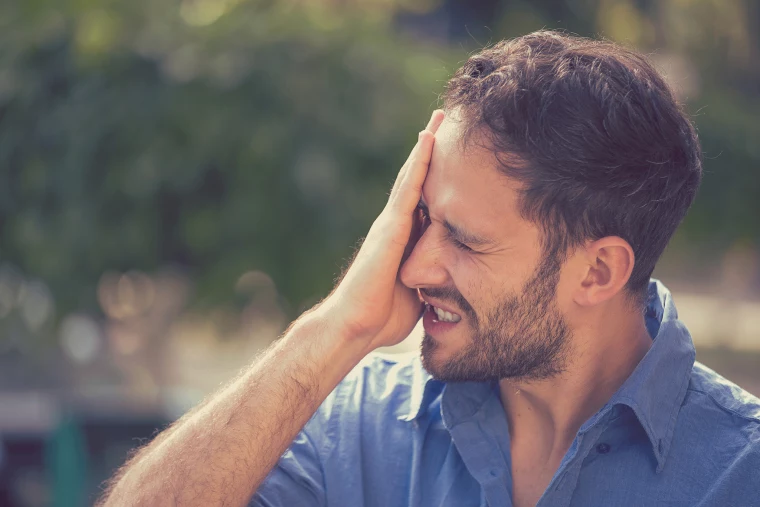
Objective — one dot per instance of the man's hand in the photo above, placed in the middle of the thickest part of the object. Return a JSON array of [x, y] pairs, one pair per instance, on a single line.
[[370, 301]]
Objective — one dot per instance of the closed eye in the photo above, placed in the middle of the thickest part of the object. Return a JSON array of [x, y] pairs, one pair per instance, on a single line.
[[458, 244]]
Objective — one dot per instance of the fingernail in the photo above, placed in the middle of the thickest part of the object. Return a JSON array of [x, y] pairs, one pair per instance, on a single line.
[[420, 134]]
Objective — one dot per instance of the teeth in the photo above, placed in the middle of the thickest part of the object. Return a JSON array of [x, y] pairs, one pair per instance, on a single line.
[[445, 316]]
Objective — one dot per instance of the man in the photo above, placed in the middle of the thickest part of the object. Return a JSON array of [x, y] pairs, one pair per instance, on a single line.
[[523, 229]]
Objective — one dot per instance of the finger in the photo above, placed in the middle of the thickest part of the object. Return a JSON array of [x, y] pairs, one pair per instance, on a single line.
[[402, 172], [414, 235], [407, 194], [435, 121]]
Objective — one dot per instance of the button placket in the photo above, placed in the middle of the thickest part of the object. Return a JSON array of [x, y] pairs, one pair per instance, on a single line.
[[560, 490]]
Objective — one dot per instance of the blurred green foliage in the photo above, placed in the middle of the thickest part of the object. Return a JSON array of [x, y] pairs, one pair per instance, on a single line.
[[135, 135], [220, 136]]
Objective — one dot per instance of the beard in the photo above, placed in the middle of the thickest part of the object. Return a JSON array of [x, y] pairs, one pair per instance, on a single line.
[[524, 337]]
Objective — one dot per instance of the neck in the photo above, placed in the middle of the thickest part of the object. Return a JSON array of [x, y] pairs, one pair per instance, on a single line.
[[546, 415]]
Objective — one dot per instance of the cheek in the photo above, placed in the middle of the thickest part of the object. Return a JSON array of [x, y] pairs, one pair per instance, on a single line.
[[472, 282], [485, 285], [564, 291]]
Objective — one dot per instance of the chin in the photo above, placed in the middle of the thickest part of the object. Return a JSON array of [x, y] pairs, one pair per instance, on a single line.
[[434, 356]]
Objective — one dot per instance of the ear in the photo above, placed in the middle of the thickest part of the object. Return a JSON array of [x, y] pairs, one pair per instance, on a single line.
[[608, 263]]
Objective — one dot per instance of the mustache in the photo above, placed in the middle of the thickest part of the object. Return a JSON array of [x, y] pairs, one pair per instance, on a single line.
[[451, 295]]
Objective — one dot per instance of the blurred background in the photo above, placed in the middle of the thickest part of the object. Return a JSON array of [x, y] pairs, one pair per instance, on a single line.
[[179, 179]]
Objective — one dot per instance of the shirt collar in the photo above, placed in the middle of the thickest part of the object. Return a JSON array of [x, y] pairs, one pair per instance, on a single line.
[[654, 391], [657, 387]]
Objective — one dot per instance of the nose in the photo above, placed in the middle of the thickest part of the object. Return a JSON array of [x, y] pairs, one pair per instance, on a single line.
[[424, 266]]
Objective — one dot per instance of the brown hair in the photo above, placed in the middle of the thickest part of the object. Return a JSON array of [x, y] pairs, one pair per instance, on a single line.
[[593, 134]]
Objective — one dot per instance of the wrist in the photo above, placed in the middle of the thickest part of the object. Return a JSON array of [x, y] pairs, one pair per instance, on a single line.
[[331, 317], [330, 341]]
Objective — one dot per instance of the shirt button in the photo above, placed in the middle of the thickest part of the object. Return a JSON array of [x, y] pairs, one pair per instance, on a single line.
[[603, 448]]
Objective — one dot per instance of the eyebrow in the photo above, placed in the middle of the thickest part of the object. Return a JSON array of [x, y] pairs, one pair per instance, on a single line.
[[459, 234]]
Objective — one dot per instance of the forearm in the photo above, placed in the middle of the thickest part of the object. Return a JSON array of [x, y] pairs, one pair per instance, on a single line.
[[222, 452]]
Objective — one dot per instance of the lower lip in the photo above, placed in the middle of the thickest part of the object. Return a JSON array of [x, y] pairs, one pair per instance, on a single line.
[[433, 326]]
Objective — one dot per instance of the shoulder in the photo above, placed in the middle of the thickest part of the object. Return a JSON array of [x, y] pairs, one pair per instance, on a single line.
[[379, 383], [718, 417], [385, 379], [713, 391], [716, 444], [379, 372]]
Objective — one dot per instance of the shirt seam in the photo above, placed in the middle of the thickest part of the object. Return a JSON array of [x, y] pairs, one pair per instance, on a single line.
[[722, 406]]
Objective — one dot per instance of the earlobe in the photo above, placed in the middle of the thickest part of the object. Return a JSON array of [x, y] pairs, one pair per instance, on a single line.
[[608, 265]]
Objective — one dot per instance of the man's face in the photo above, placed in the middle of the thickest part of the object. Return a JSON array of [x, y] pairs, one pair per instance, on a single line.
[[478, 259]]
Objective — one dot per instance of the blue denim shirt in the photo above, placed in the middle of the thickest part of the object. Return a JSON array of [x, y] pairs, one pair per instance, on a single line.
[[676, 433]]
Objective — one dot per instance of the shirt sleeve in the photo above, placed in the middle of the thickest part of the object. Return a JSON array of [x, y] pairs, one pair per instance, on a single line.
[[298, 478]]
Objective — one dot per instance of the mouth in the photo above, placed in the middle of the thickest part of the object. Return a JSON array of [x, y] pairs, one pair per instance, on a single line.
[[439, 312], [438, 319], [442, 315], [438, 322]]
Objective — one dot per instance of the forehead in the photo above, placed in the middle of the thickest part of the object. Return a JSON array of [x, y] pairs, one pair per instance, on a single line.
[[464, 186]]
